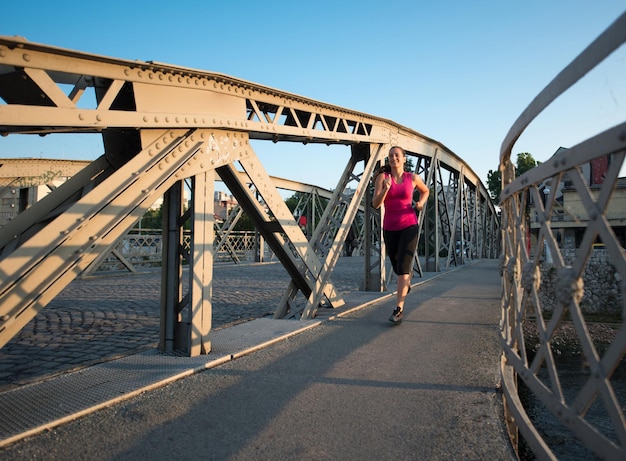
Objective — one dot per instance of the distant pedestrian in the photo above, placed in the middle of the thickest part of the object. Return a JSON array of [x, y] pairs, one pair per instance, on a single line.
[[394, 188]]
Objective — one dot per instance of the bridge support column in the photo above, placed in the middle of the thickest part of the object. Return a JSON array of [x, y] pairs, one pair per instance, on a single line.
[[171, 270], [375, 277], [201, 272]]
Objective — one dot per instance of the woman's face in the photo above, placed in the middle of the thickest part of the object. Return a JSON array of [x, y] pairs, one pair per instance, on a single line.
[[396, 157]]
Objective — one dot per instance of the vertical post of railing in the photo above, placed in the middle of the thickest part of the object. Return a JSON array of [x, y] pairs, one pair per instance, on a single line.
[[507, 171]]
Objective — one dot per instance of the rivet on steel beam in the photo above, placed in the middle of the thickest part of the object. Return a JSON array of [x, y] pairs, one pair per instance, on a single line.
[[81, 116], [99, 117], [126, 72], [26, 57], [3, 53]]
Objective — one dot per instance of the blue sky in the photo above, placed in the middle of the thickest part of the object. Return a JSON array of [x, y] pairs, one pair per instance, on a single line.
[[460, 72]]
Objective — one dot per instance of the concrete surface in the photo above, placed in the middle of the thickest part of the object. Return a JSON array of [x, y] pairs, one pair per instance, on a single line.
[[350, 386]]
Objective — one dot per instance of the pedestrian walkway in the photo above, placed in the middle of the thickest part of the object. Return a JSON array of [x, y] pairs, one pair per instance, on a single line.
[[347, 385]]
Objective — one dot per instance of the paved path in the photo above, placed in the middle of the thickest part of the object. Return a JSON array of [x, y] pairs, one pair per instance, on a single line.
[[355, 387]]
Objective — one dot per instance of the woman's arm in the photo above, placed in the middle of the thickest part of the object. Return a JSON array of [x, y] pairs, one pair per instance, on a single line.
[[422, 189], [382, 183]]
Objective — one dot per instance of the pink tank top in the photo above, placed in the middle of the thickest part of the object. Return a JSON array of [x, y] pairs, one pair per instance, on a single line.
[[399, 212]]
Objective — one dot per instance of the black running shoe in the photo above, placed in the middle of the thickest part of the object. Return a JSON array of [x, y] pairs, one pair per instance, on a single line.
[[397, 315]]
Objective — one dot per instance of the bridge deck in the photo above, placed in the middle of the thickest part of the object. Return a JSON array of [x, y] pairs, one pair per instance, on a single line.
[[347, 385]]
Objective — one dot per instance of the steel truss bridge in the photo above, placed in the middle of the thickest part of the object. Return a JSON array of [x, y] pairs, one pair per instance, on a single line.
[[165, 128]]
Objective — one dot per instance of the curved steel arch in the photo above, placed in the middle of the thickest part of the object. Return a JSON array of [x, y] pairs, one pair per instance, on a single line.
[[527, 266], [164, 125]]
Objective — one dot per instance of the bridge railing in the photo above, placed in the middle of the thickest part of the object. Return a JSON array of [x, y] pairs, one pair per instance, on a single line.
[[563, 268], [143, 248]]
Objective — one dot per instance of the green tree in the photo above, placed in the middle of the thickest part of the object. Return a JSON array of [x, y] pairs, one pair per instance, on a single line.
[[525, 162], [152, 219], [244, 223], [494, 184], [292, 202]]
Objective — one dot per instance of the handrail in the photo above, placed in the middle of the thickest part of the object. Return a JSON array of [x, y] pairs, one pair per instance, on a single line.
[[551, 271]]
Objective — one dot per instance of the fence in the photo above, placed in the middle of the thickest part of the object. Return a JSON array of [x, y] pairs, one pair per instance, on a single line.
[[563, 270], [143, 248]]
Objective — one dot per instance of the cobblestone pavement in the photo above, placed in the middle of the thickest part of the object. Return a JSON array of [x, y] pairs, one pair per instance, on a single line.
[[102, 318]]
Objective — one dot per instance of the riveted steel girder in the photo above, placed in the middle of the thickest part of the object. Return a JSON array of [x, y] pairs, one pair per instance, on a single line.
[[164, 126]]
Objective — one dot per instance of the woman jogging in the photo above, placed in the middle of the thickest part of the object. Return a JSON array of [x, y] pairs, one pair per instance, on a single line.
[[394, 188]]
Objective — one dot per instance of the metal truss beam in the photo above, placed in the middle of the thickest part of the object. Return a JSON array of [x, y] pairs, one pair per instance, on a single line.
[[164, 128]]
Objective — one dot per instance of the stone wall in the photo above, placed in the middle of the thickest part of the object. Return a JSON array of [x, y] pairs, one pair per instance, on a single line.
[[601, 284]]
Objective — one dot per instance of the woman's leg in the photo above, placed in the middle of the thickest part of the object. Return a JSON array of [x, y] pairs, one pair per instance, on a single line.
[[404, 282], [406, 253]]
